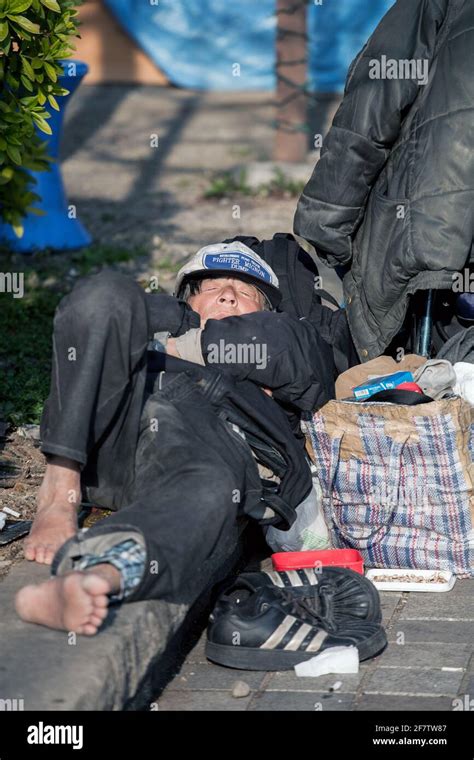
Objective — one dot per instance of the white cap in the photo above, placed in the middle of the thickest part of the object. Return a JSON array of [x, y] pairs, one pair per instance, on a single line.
[[232, 259]]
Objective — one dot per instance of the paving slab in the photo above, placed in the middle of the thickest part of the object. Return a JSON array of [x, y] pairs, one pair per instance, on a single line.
[[395, 704], [450, 632], [199, 676], [457, 604], [197, 654], [201, 701], [389, 602], [427, 655], [413, 681], [289, 681], [298, 701]]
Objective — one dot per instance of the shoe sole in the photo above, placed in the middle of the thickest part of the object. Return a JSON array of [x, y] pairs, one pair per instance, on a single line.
[[249, 658]]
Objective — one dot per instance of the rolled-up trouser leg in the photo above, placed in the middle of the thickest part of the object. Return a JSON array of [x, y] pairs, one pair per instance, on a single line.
[[193, 476], [92, 415]]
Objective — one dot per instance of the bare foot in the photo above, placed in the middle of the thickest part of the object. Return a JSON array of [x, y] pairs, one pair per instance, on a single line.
[[56, 516], [74, 602]]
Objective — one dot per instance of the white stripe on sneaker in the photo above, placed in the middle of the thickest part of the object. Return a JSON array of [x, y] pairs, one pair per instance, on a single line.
[[311, 576], [275, 578], [279, 633], [294, 578], [315, 644], [299, 636]]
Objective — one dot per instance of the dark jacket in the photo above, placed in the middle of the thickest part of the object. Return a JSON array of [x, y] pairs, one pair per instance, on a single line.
[[393, 191], [299, 364]]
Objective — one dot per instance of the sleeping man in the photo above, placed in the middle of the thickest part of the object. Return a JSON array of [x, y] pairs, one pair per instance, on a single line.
[[140, 420]]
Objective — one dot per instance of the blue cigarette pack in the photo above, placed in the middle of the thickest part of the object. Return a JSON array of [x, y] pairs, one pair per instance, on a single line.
[[386, 383]]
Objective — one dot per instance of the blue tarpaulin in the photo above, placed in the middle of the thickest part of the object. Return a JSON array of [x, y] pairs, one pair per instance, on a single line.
[[229, 45]]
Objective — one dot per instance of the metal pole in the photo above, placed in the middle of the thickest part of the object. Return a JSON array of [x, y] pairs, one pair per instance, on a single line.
[[426, 326]]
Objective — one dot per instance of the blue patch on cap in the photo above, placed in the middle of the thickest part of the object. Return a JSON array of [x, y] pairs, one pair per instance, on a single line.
[[235, 261]]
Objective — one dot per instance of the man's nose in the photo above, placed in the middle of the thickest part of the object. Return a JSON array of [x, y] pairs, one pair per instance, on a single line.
[[227, 295]]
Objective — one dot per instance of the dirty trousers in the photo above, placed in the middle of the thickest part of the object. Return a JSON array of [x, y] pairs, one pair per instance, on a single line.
[[150, 446]]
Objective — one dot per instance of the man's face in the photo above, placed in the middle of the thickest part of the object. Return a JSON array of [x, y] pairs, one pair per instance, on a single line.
[[226, 297]]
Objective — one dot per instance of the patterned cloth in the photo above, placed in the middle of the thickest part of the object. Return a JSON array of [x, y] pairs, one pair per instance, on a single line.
[[396, 481], [128, 557]]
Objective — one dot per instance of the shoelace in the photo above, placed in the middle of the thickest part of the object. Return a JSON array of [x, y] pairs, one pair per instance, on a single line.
[[299, 608]]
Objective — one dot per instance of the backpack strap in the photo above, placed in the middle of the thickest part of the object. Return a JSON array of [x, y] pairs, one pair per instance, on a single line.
[[296, 272], [324, 295]]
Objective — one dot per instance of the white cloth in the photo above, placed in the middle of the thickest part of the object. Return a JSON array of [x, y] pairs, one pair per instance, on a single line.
[[464, 386]]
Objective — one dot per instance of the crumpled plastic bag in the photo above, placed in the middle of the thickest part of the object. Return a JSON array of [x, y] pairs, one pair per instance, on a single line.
[[309, 532]]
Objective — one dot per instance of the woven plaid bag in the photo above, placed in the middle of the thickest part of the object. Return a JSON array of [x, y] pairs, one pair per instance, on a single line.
[[397, 481]]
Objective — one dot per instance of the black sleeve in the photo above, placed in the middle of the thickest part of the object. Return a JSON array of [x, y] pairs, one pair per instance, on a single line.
[[364, 129], [167, 313], [275, 351]]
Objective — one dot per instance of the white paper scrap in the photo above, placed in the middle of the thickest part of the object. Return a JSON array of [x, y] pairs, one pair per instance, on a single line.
[[332, 660]]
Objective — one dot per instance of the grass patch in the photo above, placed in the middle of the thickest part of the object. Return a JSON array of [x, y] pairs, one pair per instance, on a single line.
[[26, 325], [226, 185]]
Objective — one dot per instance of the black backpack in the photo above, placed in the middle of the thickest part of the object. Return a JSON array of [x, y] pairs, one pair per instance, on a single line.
[[301, 297]]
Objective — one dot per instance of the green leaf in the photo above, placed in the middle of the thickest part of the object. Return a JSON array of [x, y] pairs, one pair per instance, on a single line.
[[12, 81], [51, 71], [27, 68], [42, 124], [7, 172], [3, 145], [25, 23], [36, 211], [53, 102], [18, 6], [52, 5], [5, 45], [3, 30], [18, 229], [14, 154], [26, 83], [37, 63]]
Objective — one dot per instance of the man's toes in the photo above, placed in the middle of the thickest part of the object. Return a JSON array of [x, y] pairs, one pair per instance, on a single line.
[[101, 602], [100, 613], [95, 585], [89, 629], [96, 620], [40, 552], [23, 600], [30, 551], [49, 553]]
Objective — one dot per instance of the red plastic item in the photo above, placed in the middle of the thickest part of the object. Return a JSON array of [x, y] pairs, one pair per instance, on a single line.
[[409, 387], [350, 558]]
